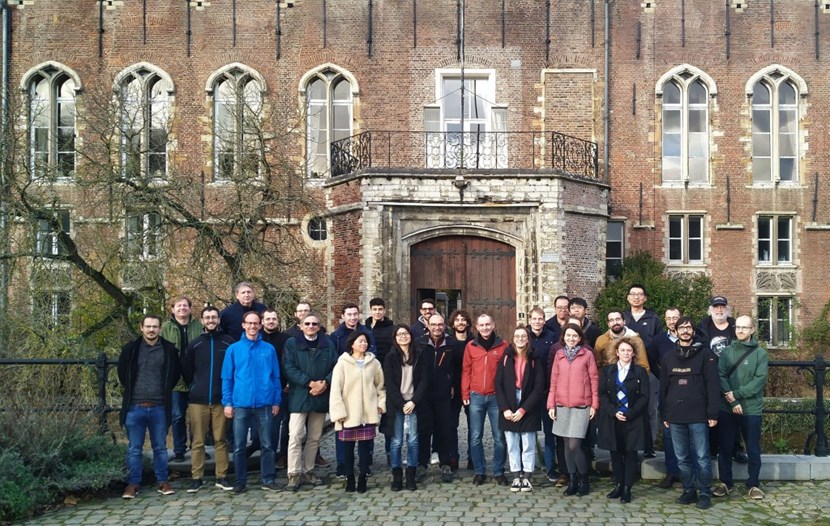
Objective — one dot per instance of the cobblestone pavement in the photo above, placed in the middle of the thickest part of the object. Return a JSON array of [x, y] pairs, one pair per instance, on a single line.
[[439, 503]]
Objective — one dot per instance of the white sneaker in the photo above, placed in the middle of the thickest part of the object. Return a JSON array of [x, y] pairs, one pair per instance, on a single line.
[[526, 486], [434, 459], [517, 484]]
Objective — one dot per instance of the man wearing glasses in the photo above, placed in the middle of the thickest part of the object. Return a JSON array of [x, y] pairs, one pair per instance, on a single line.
[[562, 305], [251, 395], [421, 326], [690, 392], [308, 363]]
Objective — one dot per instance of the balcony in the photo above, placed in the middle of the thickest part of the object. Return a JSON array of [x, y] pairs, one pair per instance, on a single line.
[[407, 150]]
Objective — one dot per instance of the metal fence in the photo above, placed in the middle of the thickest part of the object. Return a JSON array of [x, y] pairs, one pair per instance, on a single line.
[[469, 150], [816, 369]]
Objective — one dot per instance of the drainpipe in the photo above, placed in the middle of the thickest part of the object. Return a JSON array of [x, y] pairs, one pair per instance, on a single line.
[[607, 116], [4, 163]]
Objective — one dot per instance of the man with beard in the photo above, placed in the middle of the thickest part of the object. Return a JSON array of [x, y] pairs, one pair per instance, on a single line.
[[458, 336], [660, 345], [604, 350], [421, 326], [690, 390], [541, 340]]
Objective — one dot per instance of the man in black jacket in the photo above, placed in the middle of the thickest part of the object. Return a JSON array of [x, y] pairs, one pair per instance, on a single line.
[[202, 372], [443, 432], [148, 368], [690, 392], [381, 326]]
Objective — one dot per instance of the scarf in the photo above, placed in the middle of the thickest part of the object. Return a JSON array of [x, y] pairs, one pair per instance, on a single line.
[[570, 352]]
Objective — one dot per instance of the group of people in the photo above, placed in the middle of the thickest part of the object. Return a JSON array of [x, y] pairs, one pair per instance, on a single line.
[[583, 388]]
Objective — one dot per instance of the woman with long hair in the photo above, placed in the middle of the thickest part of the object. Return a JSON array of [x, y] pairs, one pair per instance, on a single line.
[[520, 389], [358, 398], [573, 400], [623, 399], [406, 371]]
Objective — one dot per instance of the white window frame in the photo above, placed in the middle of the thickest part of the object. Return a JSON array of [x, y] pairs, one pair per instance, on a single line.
[[775, 241], [684, 238], [773, 77], [683, 77], [147, 238], [47, 243], [773, 329]]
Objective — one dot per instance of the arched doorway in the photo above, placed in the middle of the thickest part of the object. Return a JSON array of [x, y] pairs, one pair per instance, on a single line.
[[473, 273]]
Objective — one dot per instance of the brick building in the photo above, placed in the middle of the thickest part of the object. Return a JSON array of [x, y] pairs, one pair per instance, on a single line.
[[491, 153]]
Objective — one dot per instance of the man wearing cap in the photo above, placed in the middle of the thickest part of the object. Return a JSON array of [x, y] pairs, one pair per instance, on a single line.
[[717, 330]]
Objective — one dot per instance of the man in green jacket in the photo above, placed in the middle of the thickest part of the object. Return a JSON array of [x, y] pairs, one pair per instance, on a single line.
[[742, 370], [181, 329], [308, 362]]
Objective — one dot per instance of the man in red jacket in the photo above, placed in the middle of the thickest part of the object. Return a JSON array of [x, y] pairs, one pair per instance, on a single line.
[[478, 391]]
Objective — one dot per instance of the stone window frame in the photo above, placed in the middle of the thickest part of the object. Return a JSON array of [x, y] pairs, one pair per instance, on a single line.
[[56, 75], [775, 240], [331, 75], [50, 281], [307, 228], [683, 77], [242, 77], [143, 235], [684, 239], [149, 77], [768, 309], [773, 77]]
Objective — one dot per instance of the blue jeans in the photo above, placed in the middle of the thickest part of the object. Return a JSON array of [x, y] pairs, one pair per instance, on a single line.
[[691, 445], [245, 418], [276, 427], [139, 421], [671, 457], [482, 406], [729, 425], [396, 444], [179, 425], [550, 442]]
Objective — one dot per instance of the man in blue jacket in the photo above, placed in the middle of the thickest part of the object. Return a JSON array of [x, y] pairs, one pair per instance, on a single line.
[[251, 393]]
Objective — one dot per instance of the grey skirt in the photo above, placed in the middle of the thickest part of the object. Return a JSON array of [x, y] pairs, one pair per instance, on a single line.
[[571, 422]]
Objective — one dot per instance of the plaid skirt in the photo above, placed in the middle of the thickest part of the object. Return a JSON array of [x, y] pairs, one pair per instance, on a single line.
[[356, 434]]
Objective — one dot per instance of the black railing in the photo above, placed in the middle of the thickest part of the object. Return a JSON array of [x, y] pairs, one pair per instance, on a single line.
[[102, 366], [817, 369], [470, 151]]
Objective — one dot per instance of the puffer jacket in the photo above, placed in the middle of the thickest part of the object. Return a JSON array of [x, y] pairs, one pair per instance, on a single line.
[[358, 394], [576, 383]]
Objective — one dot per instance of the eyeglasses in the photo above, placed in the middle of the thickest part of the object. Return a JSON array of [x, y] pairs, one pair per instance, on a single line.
[[563, 307], [403, 335], [310, 323], [251, 323], [685, 328], [436, 324], [742, 328], [427, 308]]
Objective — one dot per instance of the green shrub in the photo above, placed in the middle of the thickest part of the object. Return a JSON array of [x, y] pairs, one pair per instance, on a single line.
[[689, 293], [17, 487]]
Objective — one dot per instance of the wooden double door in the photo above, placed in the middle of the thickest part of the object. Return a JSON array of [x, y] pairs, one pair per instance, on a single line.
[[473, 273]]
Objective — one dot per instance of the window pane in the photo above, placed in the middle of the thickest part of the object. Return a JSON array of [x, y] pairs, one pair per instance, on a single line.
[[671, 121], [671, 93], [787, 144], [675, 250], [342, 91], [697, 93], [760, 145], [786, 167], [760, 94], [452, 98], [783, 322], [787, 121], [697, 169], [786, 94], [695, 227], [764, 316], [697, 145], [697, 120], [760, 121], [761, 169], [316, 90], [671, 145], [671, 168]]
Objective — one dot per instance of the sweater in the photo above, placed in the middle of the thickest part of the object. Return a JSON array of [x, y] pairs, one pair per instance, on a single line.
[[358, 394], [749, 378]]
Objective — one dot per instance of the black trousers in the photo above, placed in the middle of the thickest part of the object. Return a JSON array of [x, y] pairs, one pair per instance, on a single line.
[[364, 454], [440, 437], [623, 461]]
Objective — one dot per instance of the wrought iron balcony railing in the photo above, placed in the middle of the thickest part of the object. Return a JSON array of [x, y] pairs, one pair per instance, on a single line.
[[470, 150]]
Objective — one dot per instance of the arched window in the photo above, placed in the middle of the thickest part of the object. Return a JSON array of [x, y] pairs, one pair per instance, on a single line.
[[685, 112], [238, 145], [51, 116], [775, 117], [329, 110], [144, 99]]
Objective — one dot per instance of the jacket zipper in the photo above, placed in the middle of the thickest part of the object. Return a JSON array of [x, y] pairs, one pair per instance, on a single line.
[[210, 382]]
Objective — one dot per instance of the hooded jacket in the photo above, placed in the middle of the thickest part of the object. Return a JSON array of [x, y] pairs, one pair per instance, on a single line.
[[478, 371], [202, 367], [689, 386], [251, 374], [749, 378]]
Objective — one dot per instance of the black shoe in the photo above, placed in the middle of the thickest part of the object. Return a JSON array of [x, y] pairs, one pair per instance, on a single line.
[[649, 454], [411, 479], [704, 502], [478, 480], [196, 485], [616, 492], [573, 482], [397, 479], [501, 480], [446, 473], [368, 471], [270, 486], [687, 497], [626, 495], [420, 474], [341, 471], [669, 481], [350, 486], [584, 486], [240, 487], [178, 457], [224, 484], [361, 483], [740, 457]]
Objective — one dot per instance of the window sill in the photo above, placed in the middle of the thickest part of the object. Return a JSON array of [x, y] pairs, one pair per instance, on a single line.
[[773, 266], [683, 185], [774, 185], [677, 265]]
